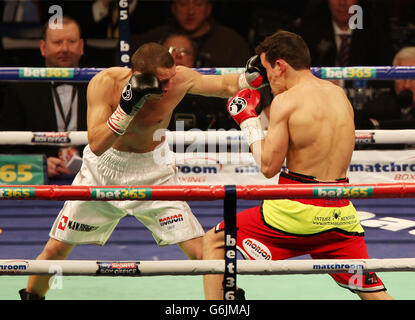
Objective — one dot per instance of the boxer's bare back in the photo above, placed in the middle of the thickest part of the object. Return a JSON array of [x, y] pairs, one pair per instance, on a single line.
[[311, 124], [321, 129]]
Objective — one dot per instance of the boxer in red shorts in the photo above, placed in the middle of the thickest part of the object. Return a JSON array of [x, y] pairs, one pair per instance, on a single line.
[[311, 128], [271, 231]]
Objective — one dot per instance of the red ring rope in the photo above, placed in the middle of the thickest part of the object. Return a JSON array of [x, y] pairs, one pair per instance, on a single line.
[[204, 193]]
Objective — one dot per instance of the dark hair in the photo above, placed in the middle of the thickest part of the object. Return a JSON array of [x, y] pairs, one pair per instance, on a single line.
[[65, 20], [151, 56], [288, 46]]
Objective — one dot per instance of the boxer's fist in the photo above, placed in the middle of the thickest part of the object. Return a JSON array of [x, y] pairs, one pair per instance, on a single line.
[[255, 75], [139, 88], [242, 105]]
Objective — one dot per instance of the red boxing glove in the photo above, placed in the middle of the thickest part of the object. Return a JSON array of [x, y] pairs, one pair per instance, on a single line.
[[242, 105], [242, 109]]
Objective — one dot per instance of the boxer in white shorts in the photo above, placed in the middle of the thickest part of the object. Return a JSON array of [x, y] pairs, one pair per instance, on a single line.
[[126, 108], [170, 222]]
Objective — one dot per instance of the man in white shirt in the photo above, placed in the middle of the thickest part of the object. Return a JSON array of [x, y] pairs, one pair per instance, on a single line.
[[63, 47], [43, 107]]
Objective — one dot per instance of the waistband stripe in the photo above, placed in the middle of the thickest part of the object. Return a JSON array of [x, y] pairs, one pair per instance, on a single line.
[[302, 178]]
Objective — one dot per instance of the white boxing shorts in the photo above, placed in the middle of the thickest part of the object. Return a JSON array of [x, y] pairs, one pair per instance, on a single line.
[[92, 222]]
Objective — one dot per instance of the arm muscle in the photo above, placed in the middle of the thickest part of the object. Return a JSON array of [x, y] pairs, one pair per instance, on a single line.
[[100, 136], [213, 85], [270, 153]]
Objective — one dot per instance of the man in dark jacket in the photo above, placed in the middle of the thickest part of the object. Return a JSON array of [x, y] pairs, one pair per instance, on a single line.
[[49, 106], [326, 24]]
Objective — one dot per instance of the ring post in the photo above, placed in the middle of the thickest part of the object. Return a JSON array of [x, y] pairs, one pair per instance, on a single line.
[[229, 207], [124, 33]]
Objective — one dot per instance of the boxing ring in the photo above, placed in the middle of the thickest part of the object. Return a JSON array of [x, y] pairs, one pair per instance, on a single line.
[[225, 200], [205, 193]]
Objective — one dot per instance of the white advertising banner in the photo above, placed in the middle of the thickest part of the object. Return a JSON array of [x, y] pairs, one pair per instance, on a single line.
[[367, 166], [382, 166]]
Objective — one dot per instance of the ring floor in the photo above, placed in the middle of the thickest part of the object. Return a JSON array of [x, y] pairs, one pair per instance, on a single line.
[[25, 224]]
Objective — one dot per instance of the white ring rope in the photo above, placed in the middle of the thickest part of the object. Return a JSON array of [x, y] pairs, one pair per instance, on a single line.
[[44, 138], [406, 136], [199, 267]]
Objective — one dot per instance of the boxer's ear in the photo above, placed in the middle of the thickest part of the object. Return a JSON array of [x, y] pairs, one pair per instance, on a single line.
[[42, 46]]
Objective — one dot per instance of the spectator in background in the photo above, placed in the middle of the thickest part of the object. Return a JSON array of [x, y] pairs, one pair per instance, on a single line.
[[269, 16], [333, 42], [215, 45], [405, 88], [99, 18], [194, 111], [21, 11], [21, 23], [181, 48], [325, 28], [50, 106], [105, 18], [396, 109]]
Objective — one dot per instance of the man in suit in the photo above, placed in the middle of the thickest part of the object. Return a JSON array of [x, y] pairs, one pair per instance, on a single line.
[[49, 106], [325, 26], [393, 109]]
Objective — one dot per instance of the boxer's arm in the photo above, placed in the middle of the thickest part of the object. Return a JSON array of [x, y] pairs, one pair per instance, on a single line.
[[138, 89], [223, 86], [227, 85], [270, 153], [99, 95]]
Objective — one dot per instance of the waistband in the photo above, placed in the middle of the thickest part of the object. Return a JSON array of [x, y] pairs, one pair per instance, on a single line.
[[131, 161], [290, 177], [293, 177]]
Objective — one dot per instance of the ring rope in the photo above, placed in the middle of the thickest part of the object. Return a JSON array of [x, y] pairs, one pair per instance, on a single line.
[[206, 192], [406, 136], [200, 267], [333, 73]]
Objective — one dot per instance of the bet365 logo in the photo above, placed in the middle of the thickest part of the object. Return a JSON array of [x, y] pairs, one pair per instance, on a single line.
[[121, 193], [343, 192]]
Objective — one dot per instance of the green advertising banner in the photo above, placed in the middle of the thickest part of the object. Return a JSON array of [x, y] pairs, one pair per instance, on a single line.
[[343, 192], [49, 73], [121, 193], [22, 169], [348, 73], [17, 192]]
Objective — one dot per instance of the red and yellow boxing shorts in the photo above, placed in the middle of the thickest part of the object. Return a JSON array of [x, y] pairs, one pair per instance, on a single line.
[[322, 228]]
